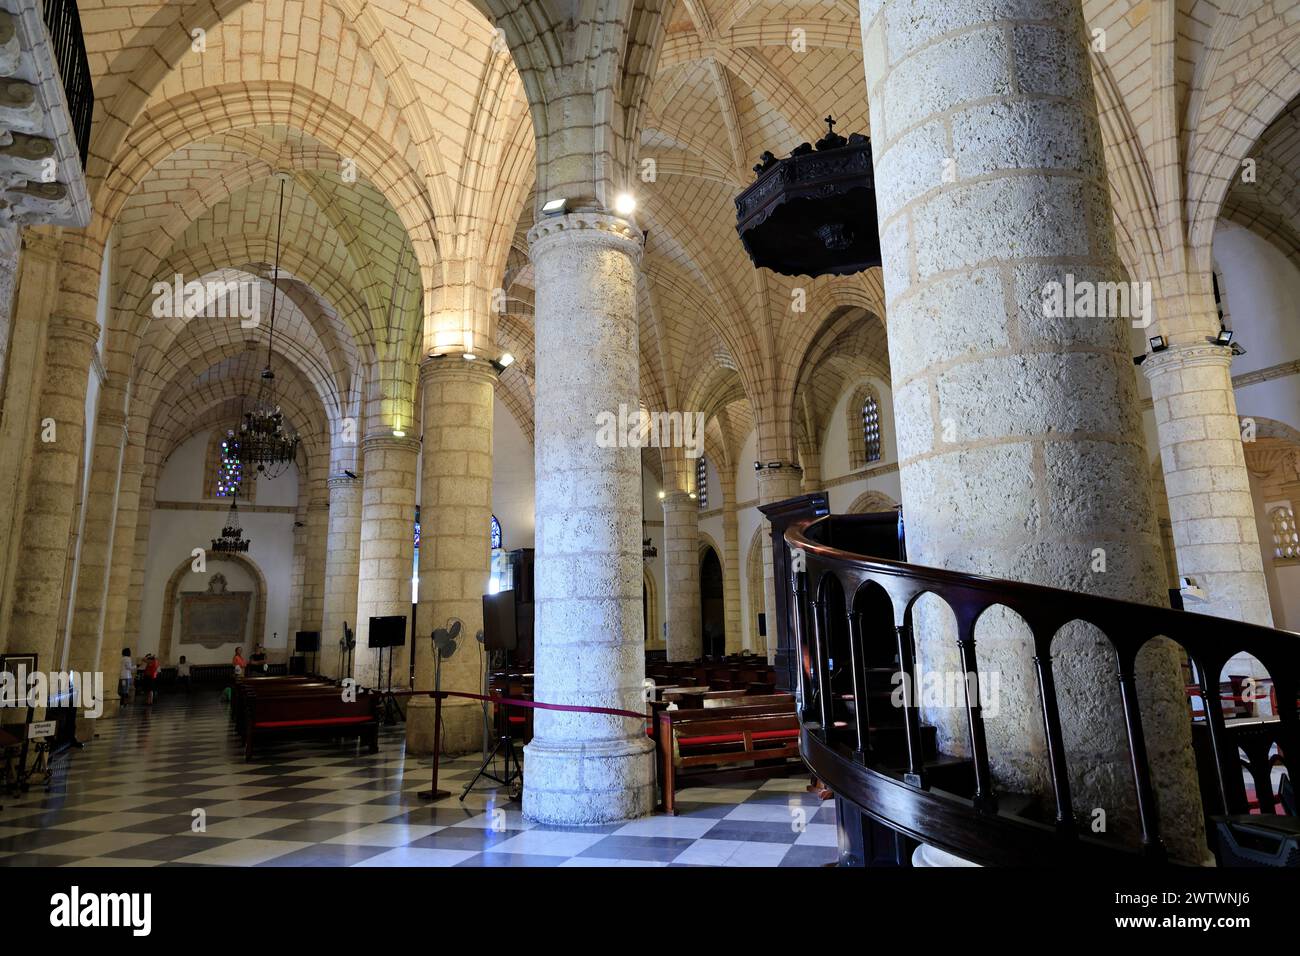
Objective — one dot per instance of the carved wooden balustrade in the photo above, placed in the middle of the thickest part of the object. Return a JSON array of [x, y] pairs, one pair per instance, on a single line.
[[959, 808]]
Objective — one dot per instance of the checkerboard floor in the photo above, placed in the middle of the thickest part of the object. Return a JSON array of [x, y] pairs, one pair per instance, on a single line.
[[133, 795]]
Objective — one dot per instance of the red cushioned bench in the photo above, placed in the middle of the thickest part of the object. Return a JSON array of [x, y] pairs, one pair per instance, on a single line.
[[321, 712], [703, 745]]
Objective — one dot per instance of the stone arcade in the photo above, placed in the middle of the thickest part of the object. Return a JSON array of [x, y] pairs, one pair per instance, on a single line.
[[527, 357]]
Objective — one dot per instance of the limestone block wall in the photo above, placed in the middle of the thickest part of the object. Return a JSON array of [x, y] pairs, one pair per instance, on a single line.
[[682, 574], [342, 559]]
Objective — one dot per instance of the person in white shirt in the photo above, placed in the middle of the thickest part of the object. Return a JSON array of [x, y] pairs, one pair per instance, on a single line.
[[125, 676], [183, 673]]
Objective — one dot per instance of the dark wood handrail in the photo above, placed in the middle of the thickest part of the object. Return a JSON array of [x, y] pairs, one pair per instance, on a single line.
[[1209, 642]]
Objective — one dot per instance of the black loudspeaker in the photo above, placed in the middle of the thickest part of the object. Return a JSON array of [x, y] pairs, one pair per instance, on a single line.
[[762, 624], [306, 642], [387, 631]]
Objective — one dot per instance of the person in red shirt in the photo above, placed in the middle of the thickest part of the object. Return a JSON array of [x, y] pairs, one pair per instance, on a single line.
[[239, 662], [150, 677]]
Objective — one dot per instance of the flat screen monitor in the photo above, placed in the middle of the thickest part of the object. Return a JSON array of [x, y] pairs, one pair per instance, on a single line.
[[387, 631]]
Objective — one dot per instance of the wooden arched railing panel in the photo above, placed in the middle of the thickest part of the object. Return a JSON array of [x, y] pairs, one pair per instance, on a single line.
[[818, 551]]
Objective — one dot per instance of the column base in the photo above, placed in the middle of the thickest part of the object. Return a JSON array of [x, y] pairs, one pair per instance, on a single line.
[[584, 784], [462, 726], [925, 856]]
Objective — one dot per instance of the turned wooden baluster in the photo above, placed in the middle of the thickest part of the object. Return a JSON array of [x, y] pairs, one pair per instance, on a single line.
[[911, 714], [1148, 813], [985, 798], [1065, 823], [820, 635], [859, 674]]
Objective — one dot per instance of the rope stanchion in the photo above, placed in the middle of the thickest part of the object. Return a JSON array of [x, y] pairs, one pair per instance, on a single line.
[[433, 793]]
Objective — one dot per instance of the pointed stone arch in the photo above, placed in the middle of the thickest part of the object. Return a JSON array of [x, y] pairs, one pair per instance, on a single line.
[[172, 589]]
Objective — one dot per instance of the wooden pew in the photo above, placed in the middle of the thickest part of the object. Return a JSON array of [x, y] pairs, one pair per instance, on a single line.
[[710, 742], [244, 689], [325, 713]]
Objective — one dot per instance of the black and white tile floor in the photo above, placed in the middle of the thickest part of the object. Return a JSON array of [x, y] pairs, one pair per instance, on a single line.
[[131, 797]]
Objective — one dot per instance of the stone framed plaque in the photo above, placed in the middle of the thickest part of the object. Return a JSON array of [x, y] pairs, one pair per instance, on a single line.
[[215, 618]]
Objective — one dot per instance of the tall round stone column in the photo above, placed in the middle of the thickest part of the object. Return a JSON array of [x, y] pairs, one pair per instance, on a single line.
[[731, 562], [774, 484], [91, 592], [316, 551], [590, 647], [121, 561], [387, 559], [1216, 541], [682, 576], [1019, 437], [455, 543], [342, 559], [52, 488]]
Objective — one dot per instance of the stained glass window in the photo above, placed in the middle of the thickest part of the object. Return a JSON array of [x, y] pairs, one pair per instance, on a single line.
[[702, 482], [230, 473], [496, 533]]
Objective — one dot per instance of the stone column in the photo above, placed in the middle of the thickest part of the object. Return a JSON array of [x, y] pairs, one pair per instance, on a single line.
[[387, 559], [774, 484], [455, 545], [120, 567], [731, 567], [342, 558], [1210, 507], [52, 488], [682, 576], [97, 538], [20, 400], [1019, 435], [589, 646]]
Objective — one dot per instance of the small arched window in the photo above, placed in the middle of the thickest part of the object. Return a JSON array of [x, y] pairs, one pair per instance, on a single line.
[[1286, 538], [223, 476], [702, 482], [871, 427], [496, 533], [866, 437]]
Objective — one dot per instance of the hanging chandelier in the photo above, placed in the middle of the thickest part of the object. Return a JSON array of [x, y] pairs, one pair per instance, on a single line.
[[232, 540], [264, 441]]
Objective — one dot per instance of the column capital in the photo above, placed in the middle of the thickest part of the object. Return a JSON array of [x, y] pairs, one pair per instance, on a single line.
[[453, 368], [65, 325], [680, 501], [342, 482], [1186, 356], [383, 441], [595, 228], [42, 241]]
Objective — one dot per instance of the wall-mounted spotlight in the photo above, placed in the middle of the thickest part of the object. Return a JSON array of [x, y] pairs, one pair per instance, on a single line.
[[555, 207], [350, 474], [1157, 343], [1223, 338], [625, 204], [506, 360], [468, 356], [662, 495], [398, 433]]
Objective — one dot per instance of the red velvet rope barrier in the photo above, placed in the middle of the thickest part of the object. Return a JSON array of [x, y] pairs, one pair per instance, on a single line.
[[539, 705]]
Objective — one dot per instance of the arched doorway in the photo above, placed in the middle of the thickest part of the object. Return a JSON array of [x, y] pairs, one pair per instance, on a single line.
[[712, 614]]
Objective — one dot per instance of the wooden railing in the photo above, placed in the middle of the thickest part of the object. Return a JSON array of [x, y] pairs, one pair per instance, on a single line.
[[817, 549], [64, 25]]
